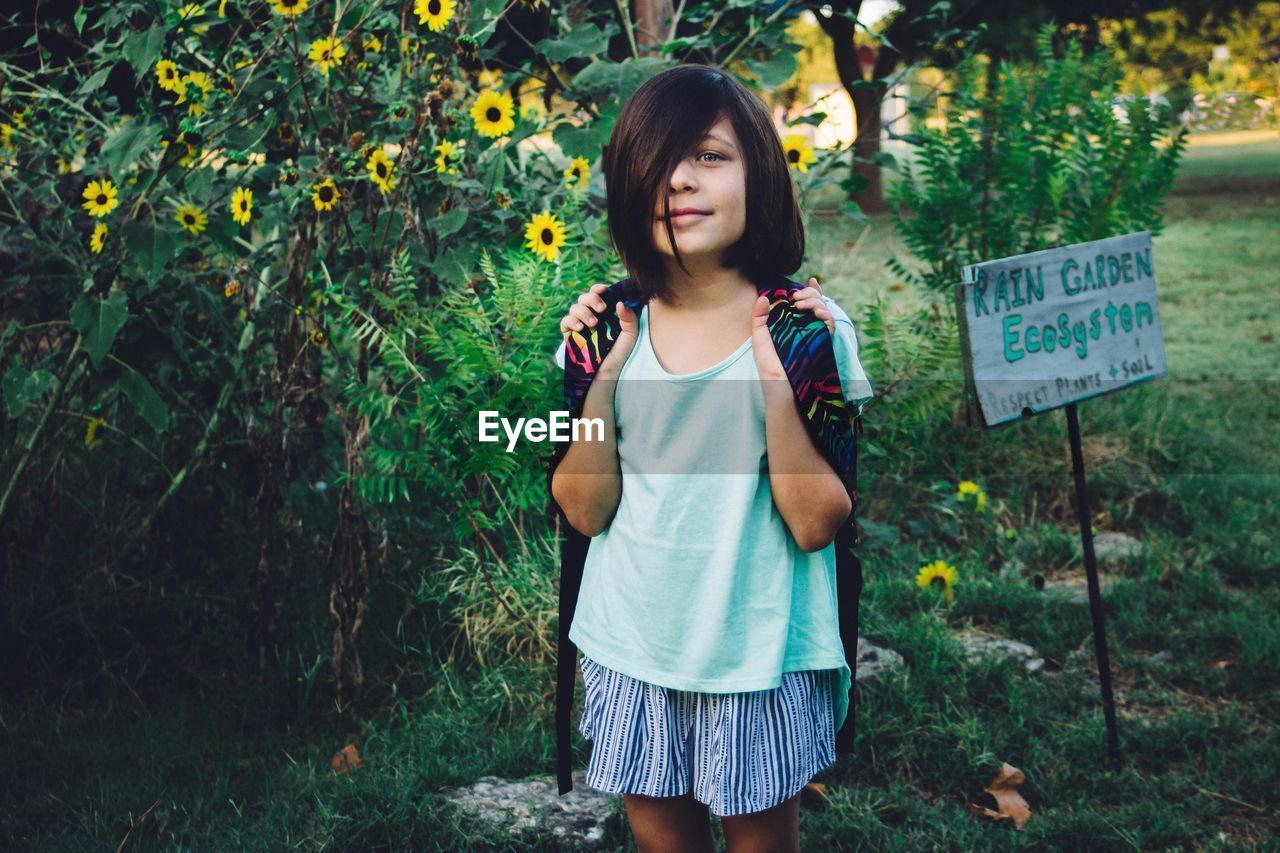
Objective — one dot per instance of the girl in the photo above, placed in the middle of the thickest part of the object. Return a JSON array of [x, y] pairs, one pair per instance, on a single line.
[[714, 673]]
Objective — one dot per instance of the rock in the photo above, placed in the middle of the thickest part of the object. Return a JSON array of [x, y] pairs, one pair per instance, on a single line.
[[1076, 589], [1113, 546], [979, 645], [873, 661], [581, 817]]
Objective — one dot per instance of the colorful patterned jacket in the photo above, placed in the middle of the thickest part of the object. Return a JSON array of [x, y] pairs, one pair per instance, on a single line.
[[805, 348]]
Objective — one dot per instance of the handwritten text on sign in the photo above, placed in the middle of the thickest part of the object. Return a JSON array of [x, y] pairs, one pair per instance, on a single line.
[[1052, 327]]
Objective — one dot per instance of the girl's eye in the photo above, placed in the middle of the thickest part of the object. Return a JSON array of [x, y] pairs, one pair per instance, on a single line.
[[712, 153]]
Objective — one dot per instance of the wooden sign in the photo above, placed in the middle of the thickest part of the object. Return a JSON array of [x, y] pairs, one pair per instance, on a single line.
[[1048, 328]]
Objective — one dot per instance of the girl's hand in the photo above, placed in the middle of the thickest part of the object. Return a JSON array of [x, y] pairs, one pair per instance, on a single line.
[[810, 299], [580, 314], [625, 342], [767, 362]]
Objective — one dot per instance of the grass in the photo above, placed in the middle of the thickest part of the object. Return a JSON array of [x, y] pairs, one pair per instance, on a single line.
[[1189, 466]]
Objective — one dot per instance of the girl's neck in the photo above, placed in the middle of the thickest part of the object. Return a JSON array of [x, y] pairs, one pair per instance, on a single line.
[[709, 292]]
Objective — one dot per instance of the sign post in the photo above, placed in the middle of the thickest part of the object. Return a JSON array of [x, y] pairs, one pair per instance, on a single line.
[[1048, 329]]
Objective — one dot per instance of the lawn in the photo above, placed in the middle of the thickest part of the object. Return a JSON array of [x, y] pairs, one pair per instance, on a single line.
[[1189, 464]]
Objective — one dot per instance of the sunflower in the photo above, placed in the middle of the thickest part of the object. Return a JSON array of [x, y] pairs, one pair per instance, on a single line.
[[578, 173], [434, 13], [168, 76], [100, 197], [232, 289], [191, 218], [544, 234], [319, 339], [969, 491], [290, 8], [489, 78], [380, 171], [242, 205], [325, 194], [98, 237], [492, 113], [6, 135], [199, 80], [798, 152], [937, 570], [91, 437], [372, 44], [65, 166], [446, 152], [327, 53]]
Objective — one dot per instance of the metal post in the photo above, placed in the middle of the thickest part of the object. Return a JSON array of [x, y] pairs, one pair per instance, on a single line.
[[1095, 594]]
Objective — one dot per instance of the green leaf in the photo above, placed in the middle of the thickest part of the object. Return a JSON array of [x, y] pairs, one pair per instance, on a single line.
[[775, 70], [142, 49], [93, 81], [588, 140], [586, 39], [483, 18], [127, 144], [450, 222], [98, 321], [78, 18], [21, 386], [814, 119], [150, 247], [145, 399]]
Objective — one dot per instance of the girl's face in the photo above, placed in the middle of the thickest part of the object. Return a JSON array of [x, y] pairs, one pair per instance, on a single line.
[[711, 180]]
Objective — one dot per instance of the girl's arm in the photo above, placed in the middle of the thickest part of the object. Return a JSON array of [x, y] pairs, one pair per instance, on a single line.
[[587, 484], [808, 492]]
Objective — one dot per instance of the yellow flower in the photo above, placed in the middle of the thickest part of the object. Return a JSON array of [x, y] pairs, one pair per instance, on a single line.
[[327, 53], [222, 8], [189, 11], [167, 75], [191, 218], [380, 171], [544, 234], [20, 118], [578, 173], [232, 288], [290, 8], [200, 81], [434, 13], [65, 166], [100, 197], [447, 151], [798, 152], [968, 488], [91, 437], [6, 135], [937, 570], [242, 205], [319, 339], [98, 237], [325, 194], [489, 78], [372, 44], [492, 113]]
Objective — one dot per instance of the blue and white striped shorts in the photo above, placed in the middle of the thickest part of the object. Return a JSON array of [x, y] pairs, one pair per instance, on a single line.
[[737, 752]]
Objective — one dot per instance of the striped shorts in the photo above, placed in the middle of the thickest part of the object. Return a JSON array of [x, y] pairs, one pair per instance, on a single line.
[[737, 752]]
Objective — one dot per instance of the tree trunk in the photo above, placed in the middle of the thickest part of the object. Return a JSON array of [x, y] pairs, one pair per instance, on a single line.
[[653, 21]]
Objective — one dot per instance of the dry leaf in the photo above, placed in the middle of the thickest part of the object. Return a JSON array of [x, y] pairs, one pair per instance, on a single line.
[[814, 793], [346, 760], [1004, 789]]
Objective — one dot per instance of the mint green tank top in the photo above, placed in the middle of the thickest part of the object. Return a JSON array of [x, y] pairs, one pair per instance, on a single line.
[[697, 584]]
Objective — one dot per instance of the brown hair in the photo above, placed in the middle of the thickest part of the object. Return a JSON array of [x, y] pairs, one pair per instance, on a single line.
[[662, 121]]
